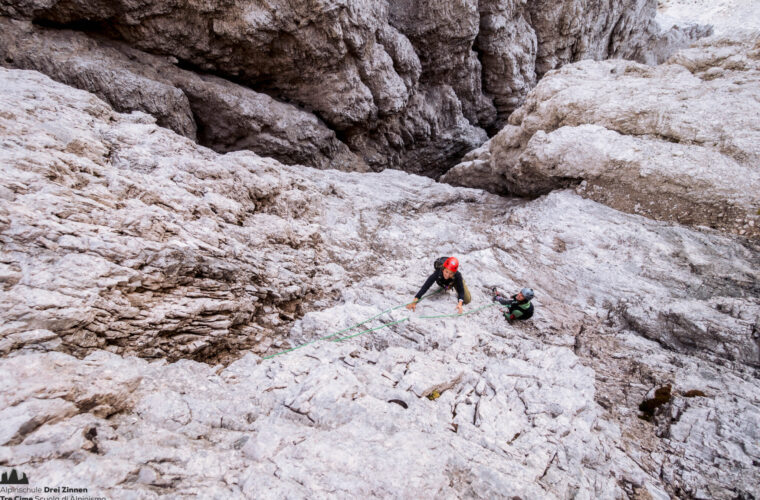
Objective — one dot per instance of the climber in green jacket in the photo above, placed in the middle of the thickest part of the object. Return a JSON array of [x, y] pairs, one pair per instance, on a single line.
[[518, 306]]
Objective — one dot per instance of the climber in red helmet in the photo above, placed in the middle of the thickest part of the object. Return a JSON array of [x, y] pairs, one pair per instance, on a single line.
[[447, 275]]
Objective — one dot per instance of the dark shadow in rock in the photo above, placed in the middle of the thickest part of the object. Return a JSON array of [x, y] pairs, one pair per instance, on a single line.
[[661, 397], [399, 402]]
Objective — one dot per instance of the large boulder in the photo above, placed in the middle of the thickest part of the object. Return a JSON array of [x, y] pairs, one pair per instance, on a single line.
[[674, 142]]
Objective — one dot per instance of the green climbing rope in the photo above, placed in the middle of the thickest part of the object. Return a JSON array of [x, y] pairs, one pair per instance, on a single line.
[[372, 329], [386, 325], [350, 328], [456, 315]]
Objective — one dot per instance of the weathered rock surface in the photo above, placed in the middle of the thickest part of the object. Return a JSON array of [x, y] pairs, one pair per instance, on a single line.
[[101, 384], [86, 63], [396, 80], [219, 114], [667, 38], [120, 235], [520, 41], [675, 142], [726, 16], [443, 33], [133, 247], [507, 45], [426, 139], [324, 55]]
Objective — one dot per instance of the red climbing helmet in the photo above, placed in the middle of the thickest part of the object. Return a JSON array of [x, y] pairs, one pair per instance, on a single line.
[[452, 264]]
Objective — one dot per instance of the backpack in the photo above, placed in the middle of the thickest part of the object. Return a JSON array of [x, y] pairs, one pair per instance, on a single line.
[[438, 264]]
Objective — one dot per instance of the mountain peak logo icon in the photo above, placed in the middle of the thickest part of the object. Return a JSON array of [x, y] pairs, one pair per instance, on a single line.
[[13, 478]]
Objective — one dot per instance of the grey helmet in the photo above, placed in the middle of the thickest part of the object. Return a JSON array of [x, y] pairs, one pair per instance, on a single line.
[[527, 293]]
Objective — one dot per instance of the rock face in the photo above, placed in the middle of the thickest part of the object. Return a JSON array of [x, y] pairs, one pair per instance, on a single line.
[[675, 142], [726, 16], [442, 34], [216, 112], [394, 80], [85, 63], [119, 235], [155, 279]]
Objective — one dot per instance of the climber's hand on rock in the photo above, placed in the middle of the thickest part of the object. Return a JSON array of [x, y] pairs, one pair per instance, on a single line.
[[459, 307], [413, 304]]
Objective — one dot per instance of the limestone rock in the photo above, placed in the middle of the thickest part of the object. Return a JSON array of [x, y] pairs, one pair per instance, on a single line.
[[325, 56], [665, 39], [135, 258], [673, 142], [234, 118], [230, 117], [507, 46], [426, 139], [443, 33], [396, 79], [101, 385], [726, 16], [120, 235], [88, 64]]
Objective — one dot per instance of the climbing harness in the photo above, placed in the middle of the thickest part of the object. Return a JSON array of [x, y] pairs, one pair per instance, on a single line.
[[386, 325]]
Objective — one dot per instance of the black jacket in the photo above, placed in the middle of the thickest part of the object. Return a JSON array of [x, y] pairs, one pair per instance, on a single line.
[[437, 277]]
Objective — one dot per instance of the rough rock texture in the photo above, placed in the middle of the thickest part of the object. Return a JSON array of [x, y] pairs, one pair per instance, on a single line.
[[507, 45], [665, 39], [675, 142], [323, 54], [521, 41], [442, 33], [133, 246], [396, 80], [85, 63], [427, 139], [233, 118], [726, 16], [228, 117], [100, 385], [120, 233]]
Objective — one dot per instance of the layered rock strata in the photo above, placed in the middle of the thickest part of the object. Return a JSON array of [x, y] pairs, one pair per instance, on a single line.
[[119, 235], [395, 80], [674, 142], [217, 113], [132, 248]]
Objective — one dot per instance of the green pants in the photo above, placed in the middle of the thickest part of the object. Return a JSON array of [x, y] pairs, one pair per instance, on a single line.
[[467, 296]]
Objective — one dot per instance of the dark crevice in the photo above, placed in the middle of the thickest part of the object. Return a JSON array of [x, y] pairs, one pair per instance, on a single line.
[[492, 128], [105, 33], [260, 85], [104, 29], [611, 41], [88, 27]]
